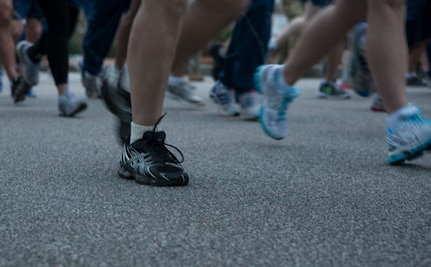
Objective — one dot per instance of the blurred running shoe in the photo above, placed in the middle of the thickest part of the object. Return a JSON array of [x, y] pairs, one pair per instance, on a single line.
[[330, 90], [272, 115], [69, 105], [92, 84], [415, 81], [30, 70], [184, 91], [377, 104], [410, 139], [359, 75], [117, 100], [225, 99], [250, 104]]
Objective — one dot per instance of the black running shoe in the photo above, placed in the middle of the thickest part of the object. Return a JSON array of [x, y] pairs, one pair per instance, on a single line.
[[415, 81], [20, 90], [150, 162], [118, 102]]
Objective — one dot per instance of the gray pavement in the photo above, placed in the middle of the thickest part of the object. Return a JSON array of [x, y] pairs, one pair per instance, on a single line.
[[324, 196]]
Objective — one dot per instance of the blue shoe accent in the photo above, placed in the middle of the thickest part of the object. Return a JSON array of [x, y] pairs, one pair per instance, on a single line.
[[30, 93], [256, 79], [272, 115], [412, 137]]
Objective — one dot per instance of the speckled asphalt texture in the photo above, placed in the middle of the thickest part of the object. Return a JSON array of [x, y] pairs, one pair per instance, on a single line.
[[324, 196]]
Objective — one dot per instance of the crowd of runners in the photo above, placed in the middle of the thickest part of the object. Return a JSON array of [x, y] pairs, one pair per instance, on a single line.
[[387, 42]]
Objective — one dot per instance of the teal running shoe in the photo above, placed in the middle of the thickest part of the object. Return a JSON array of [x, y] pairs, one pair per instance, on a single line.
[[276, 101], [412, 137]]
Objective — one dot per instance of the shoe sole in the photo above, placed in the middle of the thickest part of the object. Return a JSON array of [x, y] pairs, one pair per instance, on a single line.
[[410, 154], [125, 174], [250, 117], [325, 96], [80, 108], [377, 109]]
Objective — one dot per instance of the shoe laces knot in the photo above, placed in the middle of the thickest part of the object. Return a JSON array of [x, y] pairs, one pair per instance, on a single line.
[[159, 147]]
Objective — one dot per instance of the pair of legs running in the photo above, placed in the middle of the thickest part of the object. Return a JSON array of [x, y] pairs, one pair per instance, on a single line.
[[117, 75], [328, 88], [234, 91], [408, 132], [54, 44], [145, 156], [164, 35], [7, 43]]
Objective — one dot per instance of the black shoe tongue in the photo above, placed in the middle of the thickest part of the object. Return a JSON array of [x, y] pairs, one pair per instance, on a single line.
[[159, 136], [148, 139]]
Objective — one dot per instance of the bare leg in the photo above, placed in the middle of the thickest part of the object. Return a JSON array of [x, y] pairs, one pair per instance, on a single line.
[[16, 30], [415, 54], [33, 29], [203, 21], [334, 60], [297, 25], [321, 35], [386, 51], [7, 48], [154, 44], [294, 27], [124, 33]]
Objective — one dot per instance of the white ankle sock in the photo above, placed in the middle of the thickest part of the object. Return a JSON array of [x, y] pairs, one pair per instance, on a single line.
[[176, 80], [137, 131]]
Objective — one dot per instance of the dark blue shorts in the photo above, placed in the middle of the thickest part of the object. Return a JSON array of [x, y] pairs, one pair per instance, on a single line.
[[28, 8], [321, 3]]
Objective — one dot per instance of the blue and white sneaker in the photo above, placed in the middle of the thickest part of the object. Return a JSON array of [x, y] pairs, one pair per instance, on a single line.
[[225, 99], [250, 103], [359, 75], [412, 137], [276, 100]]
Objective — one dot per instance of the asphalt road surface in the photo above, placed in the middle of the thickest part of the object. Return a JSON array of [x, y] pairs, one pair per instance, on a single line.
[[324, 196]]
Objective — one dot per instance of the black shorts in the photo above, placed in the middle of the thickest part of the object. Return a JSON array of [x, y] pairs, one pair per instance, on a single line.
[[418, 21]]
